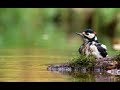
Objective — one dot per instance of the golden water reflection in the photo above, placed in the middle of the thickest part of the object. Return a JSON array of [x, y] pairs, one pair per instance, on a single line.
[[30, 65]]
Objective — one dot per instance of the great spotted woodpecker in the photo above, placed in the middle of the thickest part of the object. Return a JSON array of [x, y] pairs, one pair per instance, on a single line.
[[91, 45]]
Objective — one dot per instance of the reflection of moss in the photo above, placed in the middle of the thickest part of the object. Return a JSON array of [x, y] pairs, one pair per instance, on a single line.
[[86, 77], [83, 61]]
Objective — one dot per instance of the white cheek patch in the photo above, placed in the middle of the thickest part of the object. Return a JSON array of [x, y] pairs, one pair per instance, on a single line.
[[91, 35]]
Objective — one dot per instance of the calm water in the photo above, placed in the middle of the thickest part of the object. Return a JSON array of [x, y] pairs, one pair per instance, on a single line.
[[30, 65]]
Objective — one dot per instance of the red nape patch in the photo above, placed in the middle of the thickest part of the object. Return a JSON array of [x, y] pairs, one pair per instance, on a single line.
[[94, 32]]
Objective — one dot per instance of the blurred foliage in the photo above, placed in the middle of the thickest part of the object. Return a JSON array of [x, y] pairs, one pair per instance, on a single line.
[[55, 27], [29, 28]]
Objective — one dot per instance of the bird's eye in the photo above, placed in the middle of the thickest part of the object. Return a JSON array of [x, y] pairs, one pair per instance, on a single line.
[[87, 33]]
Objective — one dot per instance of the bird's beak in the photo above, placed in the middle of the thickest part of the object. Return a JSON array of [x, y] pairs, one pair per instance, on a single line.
[[83, 33], [79, 34]]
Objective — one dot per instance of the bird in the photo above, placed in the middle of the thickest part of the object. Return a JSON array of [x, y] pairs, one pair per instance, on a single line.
[[91, 45]]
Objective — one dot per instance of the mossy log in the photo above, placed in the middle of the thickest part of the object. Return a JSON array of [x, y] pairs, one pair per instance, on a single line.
[[87, 63]]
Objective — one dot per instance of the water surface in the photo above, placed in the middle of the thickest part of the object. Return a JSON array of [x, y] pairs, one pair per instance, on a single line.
[[30, 65]]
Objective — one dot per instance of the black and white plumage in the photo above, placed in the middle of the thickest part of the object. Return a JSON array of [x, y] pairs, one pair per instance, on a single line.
[[91, 45]]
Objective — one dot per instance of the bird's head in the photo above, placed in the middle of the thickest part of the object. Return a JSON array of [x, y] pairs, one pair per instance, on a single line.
[[88, 35]]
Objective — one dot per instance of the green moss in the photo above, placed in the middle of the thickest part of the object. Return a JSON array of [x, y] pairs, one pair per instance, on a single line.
[[90, 61], [117, 58], [83, 61]]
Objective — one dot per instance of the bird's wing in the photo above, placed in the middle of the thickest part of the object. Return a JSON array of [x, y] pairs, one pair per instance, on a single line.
[[104, 46], [102, 51]]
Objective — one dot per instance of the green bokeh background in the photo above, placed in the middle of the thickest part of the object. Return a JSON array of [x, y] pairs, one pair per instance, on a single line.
[[55, 27]]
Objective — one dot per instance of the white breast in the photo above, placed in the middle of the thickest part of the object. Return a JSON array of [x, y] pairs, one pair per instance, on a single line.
[[95, 51]]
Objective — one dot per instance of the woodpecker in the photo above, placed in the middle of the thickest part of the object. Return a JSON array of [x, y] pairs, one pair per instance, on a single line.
[[91, 45]]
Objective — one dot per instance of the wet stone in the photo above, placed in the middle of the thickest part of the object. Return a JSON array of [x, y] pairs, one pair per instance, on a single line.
[[100, 66], [59, 68]]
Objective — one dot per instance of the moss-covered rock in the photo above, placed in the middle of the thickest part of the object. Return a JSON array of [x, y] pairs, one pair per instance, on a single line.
[[88, 63], [83, 61]]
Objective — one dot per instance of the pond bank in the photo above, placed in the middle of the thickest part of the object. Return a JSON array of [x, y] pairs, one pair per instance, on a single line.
[[87, 64]]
